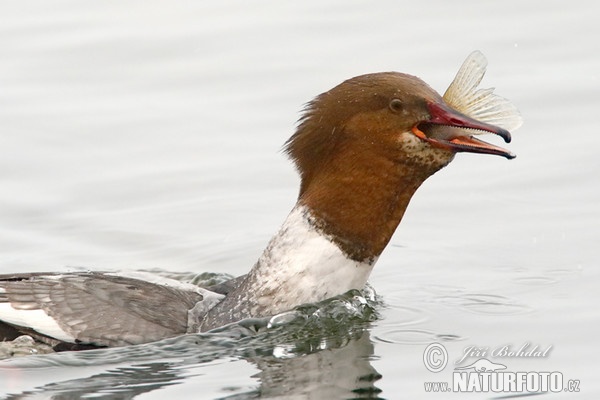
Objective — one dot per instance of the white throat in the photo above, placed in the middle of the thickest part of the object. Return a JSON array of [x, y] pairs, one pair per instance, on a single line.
[[302, 265]]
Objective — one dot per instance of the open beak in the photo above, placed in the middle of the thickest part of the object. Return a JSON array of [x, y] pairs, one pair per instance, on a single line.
[[451, 130]]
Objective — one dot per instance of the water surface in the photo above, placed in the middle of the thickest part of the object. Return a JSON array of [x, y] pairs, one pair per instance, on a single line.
[[139, 135]]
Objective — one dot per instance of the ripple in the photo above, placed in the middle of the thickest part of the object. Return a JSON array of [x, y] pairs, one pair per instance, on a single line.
[[404, 315], [415, 336], [443, 289], [566, 271], [535, 280], [489, 304]]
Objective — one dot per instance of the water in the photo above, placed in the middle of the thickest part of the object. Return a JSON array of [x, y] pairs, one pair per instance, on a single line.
[[139, 135]]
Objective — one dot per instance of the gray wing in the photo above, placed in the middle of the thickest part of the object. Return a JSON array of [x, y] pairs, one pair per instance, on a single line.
[[225, 287], [102, 309]]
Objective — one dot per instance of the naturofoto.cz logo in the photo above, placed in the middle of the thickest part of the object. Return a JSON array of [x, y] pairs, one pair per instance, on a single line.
[[484, 375]]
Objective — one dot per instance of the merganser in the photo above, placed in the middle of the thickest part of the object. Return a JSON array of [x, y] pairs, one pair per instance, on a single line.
[[362, 149]]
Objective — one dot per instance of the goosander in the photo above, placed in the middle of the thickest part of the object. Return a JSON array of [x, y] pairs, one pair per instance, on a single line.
[[362, 149]]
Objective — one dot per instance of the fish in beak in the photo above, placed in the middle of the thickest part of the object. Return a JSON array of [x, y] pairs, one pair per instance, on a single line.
[[465, 111]]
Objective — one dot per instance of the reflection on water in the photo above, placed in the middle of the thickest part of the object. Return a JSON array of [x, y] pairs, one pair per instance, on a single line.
[[342, 371], [121, 383], [415, 336]]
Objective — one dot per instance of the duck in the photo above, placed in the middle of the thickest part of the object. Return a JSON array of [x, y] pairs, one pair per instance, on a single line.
[[361, 149]]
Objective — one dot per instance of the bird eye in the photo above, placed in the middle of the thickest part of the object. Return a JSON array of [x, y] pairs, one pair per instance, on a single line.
[[396, 105]]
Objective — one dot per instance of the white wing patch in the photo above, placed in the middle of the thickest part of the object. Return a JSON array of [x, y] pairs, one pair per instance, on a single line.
[[480, 104], [37, 320]]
